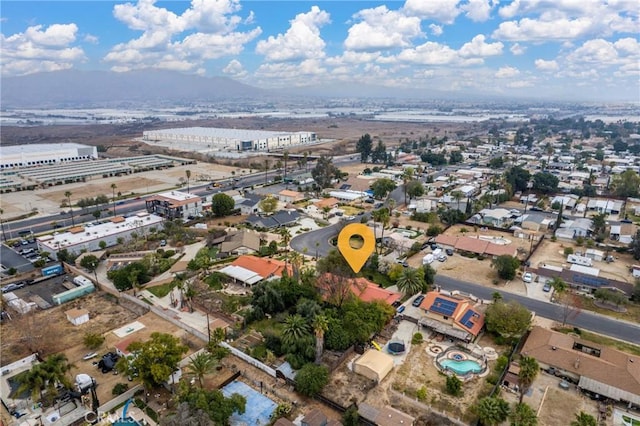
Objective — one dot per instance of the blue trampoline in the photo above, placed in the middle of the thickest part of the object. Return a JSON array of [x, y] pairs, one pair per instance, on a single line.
[[258, 409]]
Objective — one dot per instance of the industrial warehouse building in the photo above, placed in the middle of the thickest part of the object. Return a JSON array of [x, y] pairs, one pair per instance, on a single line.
[[14, 156], [88, 237], [204, 139]]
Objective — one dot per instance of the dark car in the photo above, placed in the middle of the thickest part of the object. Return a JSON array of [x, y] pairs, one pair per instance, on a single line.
[[449, 252], [418, 300]]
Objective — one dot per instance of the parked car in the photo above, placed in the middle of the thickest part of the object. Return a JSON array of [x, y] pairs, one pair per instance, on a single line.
[[527, 277], [13, 286], [400, 309], [442, 258], [449, 252], [547, 287], [418, 300]]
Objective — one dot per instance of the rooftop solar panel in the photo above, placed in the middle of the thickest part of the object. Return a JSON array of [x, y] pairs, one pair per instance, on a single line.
[[443, 306]]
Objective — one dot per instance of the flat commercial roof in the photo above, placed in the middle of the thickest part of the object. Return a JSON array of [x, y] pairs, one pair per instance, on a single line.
[[217, 132], [38, 148]]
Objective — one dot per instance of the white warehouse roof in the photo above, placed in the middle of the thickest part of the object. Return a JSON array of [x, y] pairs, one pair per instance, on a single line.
[[222, 133]]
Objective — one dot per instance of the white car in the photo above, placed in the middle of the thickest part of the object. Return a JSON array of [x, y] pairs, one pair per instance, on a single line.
[[527, 277]]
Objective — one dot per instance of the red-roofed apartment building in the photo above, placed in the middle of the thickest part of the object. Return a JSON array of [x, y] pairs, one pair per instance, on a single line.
[[451, 316], [336, 289]]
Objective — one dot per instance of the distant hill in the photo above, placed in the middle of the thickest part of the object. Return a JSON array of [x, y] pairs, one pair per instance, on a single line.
[[110, 89]]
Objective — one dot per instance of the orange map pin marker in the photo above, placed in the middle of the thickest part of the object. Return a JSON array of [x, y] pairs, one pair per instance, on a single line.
[[356, 257]]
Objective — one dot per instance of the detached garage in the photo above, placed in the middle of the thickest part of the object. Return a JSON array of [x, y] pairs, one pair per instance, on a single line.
[[374, 364]]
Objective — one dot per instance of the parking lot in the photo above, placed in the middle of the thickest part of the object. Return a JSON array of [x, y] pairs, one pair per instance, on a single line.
[[43, 290]]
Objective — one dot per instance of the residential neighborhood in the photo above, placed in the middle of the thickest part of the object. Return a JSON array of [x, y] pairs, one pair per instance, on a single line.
[[503, 278]]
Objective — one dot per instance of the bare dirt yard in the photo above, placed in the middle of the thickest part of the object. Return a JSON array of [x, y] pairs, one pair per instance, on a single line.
[[555, 405], [552, 253]]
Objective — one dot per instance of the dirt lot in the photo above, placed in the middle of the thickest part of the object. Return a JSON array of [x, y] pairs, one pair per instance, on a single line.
[[559, 406], [49, 331], [552, 253]]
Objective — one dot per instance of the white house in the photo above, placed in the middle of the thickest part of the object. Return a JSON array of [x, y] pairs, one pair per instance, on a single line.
[[77, 316], [175, 204]]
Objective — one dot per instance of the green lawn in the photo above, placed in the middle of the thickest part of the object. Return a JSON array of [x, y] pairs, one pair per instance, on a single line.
[[629, 421], [632, 314], [161, 290]]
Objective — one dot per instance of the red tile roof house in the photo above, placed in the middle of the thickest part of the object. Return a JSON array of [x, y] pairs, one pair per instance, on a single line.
[[251, 269], [336, 289], [451, 316]]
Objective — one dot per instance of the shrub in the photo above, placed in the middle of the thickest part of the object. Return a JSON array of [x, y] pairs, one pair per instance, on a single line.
[[93, 340], [421, 394], [119, 389], [434, 230], [568, 251], [453, 385], [416, 339]]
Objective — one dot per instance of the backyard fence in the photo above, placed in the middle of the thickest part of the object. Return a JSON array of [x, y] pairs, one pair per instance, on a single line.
[[425, 408], [120, 399], [249, 359]]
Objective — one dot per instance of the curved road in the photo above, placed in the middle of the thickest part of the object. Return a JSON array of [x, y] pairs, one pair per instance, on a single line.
[[587, 320]]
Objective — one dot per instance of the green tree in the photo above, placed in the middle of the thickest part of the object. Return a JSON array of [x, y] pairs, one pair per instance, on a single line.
[[455, 157], [89, 262], [268, 204], [222, 205], [46, 375], [429, 277], [457, 196], [311, 379], [529, 369], [324, 172], [411, 281], [382, 187], [188, 174], [93, 340], [545, 182], [453, 385], [155, 360], [379, 153], [113, 197], [295, 329], [212, 402], [201, 365], [506, 266], [584, 419], [407, 175], [351, 417], [634, 246], [626, 184], [492, 411], [510, 320], [382, 216], [364, 146], [68, 195], [414, 189], [517, 178], [523, 415], [320, 325]]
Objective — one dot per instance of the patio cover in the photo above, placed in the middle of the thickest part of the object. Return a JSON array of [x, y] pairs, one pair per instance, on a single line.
[[445, 329], [241, 274], [608, 390]]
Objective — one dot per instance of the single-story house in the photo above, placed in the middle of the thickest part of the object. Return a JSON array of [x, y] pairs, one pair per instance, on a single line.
[[250, 270], [77, 316], [568, 202], [495, 217], [290, 197], [327, 202], [623, 232], [571, 229], [121, 346], [387, 416], [281, 218], [535, 221], [451, 316], [604, 205], [241, 242], [446, 241], [581, 281], [374, 365], [334, 288], [316, 417], [597, 368]]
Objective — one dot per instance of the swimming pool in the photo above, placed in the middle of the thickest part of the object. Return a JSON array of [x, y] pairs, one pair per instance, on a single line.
[[461, 367]]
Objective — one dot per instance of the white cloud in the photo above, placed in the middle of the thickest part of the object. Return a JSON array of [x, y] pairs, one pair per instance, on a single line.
[[444, 11], [543, 65], [507, 72], [536, 30], [90, 38], [436, 30], [628, 45], [235, 69], [431, 53], [209, 30], [381, 28], [518, 49], [478, 47], [40, 49], [597, 51], [520, 84], [478, 10], [301, 41]]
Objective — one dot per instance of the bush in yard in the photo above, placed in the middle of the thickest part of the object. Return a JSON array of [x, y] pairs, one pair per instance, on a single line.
[[453, 385], [416, 339], [93, 340], [119, 389], [568, 251], [311, 379]]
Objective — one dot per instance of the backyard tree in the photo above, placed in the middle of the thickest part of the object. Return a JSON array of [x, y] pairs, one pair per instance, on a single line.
[[523, 415], [626, 184], [414, 189], [156, 359], [634, 246], [382, 187], [311, 379], [201, 365], [411, 281], [453, 385], [584, 419], [506, 266], [214, 403], [509, 320], [89, 262], [529, 369], [429, 277], [46, 375], [269, 204], [324, 172], [517, 178], [545, 182], [93, 340], [320, 325], [492, 411], [364, 146], [222, 205]]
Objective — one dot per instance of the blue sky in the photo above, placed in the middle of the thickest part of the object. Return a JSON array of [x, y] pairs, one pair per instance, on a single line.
[[546, 48]]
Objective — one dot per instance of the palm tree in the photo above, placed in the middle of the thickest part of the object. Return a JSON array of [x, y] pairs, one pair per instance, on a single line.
[[45, 376], [528, 371], [4, 237], [584, 419], [523, 415], [188, 174], [496, 296], [320, 325], [410, 281], [381, 216], [406, 177], [295, 329], [201, 365], [457, 195], [266, 170], [68, 195], [492, 411], [285, 156], [113, 197]]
